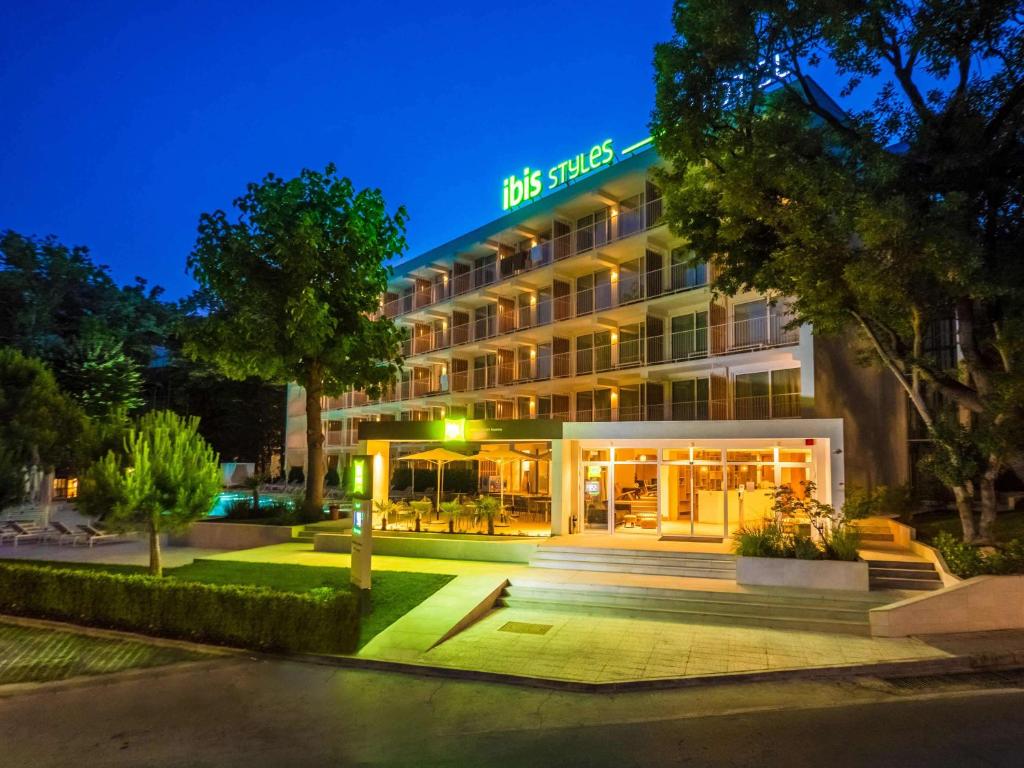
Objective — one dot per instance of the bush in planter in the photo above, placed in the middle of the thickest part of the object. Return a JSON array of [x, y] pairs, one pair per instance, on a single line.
[[802, 547], [842, 542], [296, 476], [765, 540], [332, 479]]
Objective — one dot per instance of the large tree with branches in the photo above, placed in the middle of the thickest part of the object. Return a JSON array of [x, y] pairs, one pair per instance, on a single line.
[[289, 291], [902, 220]]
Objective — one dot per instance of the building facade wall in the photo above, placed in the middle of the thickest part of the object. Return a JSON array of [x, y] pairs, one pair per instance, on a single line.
[[873, 409]]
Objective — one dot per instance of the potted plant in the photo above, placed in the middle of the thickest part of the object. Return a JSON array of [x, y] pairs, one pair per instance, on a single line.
[[488, 508], [453, 509], [384, 509]]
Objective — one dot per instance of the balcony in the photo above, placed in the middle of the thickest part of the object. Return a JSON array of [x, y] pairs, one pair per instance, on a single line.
[[625, 223]]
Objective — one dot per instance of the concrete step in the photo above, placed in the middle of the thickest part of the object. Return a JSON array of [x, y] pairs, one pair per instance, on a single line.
[[642, 561], [885, 582], [903, 574], [620, 556], [909, 565], [812, 613]]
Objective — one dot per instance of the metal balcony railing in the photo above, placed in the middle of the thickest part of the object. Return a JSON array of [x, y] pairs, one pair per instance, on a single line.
[[616, 227]]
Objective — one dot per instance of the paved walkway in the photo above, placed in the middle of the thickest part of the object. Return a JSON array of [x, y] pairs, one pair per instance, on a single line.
[[128, 552]]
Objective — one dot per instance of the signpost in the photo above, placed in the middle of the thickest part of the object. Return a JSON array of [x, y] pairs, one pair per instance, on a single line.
[[361, 492]]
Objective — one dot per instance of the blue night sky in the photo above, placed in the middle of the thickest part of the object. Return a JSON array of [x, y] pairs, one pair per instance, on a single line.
[[123, 121]]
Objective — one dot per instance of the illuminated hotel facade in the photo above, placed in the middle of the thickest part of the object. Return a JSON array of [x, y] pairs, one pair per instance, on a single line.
[[575, 330]]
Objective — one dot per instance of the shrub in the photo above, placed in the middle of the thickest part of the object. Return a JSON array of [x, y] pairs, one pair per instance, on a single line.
[[322, 620], [759, 541], [239, 509], [967, 561], [842, 543], [296, 475], [802, 547], [332, 479]]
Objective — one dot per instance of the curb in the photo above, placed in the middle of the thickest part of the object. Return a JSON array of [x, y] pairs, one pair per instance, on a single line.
[[883, 670]]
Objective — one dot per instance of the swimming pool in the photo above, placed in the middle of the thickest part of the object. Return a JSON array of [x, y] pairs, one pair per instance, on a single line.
[[225, 499]]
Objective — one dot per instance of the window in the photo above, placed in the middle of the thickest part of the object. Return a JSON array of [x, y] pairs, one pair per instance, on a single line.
[[750, 324], [690, 336], [690, 400], [768, 394], [684, 273]]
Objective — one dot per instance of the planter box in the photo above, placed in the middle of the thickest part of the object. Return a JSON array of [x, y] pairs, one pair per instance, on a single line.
[[233, 535], [809, 574]]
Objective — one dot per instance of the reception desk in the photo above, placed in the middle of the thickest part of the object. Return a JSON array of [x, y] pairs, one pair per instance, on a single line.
[[757, 506]]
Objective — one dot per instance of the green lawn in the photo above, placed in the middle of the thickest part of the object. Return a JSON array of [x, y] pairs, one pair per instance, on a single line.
[[1009, 525], [31, 655], [394, 594]]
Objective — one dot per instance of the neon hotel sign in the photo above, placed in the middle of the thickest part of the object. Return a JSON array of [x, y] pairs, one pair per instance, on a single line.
[[516, 190]]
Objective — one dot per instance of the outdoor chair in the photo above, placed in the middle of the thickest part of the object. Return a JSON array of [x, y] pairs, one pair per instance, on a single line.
[[95, 536]]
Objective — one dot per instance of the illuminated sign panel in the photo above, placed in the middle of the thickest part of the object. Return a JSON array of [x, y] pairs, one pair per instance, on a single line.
[[361, 478], [517, 190], [455, 430]]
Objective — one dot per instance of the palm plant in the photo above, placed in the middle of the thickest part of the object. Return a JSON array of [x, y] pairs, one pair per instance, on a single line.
[[488, 508], [253, 483], [384, 509], [453, 509]]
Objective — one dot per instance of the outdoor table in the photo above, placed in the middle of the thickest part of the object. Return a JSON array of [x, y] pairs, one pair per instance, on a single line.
[[541, 504]]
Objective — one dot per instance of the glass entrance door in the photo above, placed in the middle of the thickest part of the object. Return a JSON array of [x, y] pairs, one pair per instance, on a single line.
[[595, 497]]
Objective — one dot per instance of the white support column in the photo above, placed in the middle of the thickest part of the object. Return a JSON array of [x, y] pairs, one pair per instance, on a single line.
[[562, 475], [380, 452]]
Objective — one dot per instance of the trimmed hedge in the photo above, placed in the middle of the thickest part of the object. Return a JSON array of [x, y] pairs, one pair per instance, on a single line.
[[320, 621]]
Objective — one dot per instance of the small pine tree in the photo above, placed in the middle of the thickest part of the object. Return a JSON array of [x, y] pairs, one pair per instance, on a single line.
[[165, 478]]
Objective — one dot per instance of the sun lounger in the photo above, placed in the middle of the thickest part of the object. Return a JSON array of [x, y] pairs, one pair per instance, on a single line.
[[64, 534], [95, 536], [26, 532]]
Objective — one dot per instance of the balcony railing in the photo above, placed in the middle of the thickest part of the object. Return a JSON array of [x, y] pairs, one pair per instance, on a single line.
[[767, 331], [617, 227]]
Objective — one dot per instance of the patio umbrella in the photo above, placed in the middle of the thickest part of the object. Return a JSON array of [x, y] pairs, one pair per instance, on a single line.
[[499, 456], [440, 457]]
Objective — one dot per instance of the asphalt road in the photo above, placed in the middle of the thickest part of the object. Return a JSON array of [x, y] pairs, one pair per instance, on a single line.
[[254, 713]]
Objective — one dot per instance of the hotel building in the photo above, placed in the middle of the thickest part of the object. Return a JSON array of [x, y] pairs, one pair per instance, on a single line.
[[575, 330]]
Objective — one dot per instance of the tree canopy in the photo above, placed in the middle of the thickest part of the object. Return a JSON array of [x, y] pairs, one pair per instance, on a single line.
[[291, 290], [39, 425], [902, 220]]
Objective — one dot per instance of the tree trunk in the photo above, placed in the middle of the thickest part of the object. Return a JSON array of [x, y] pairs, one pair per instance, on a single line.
[[156, 567], [989, 506], [313, 506], [256, 502], [965, 507], [490, 526]]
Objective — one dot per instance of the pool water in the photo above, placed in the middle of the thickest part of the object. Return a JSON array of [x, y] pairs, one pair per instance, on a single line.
[[225, 499]]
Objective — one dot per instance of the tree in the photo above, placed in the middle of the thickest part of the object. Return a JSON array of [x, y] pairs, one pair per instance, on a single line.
[[290, 291], [40, 426], [903, 221], [100, 376], [165, 478]]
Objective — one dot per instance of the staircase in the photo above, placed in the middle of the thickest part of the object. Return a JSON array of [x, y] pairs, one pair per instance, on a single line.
[[646, 561], [903, 574], [845, 613]]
